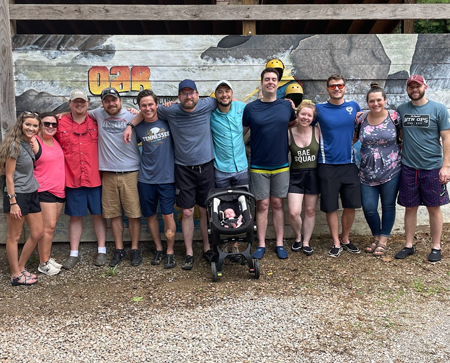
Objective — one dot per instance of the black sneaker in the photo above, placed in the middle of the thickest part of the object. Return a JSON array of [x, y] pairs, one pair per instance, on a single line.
[[170, 262], [208, 256], [405, 252], [350, 247], [119, 256], [159, 256], [308, 251], [188, 263], [296, 246], [135, 258], [335, 252], [435, 255]]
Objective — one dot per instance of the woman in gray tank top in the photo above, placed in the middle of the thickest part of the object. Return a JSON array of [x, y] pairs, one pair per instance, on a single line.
[[20, 197]]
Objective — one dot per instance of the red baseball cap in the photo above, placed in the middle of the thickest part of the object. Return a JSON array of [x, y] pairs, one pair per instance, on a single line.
[[416, 78]]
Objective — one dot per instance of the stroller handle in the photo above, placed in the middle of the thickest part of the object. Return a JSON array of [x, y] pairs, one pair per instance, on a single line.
[[228, 192]]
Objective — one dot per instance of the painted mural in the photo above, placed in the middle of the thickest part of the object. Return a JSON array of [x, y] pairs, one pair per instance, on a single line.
[[48, 67]]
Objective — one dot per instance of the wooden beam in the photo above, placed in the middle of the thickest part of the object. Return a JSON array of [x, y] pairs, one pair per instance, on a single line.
[[230, 12], [7, 94], [408, 24], [248, 26]]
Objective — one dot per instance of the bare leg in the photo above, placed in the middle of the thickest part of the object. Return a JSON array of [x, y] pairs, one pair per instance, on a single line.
[[204, 228], [12, 240], [278, 219], [348, 215], [187, 226], [310, 217], [410, 225], [333, 225], [75, 230], [262, 212], [153, 226], [99, 224], [169, 230], [436, 224], [50, 215], [295, 209], [117, 230], [134, 227], [34, 221]]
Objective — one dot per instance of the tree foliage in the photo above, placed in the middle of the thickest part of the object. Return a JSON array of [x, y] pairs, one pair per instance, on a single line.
[[432, 26]]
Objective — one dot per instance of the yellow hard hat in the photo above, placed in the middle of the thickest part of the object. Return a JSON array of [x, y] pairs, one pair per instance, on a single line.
[[278, 65], [294, 92]]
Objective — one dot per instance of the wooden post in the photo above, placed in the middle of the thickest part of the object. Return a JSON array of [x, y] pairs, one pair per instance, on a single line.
[[408, 24], [7, 94], [249, 26]]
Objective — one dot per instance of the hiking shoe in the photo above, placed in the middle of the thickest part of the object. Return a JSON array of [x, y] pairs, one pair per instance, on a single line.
[[350, 247], [118, 257], [259, 253], [297, 246], [159, 256], [208, 256], [335, 252], [101, 259], [405, 252], [308, 251], [54, 263], [48, 269], [281, 253], [135, 258], [435, 255], [170, 262], [70, 262], [188, 263]]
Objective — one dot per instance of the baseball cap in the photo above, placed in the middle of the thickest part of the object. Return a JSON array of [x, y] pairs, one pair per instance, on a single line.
[[223, 83], [78, 93], [110, 91], [416, 78], [187, 83]]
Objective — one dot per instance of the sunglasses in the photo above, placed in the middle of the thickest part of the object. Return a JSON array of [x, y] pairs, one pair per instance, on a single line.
[[52, 124], [29, 114], [334, 86], [443, 192]]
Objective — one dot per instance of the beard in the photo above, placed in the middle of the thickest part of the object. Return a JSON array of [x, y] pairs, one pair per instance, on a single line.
[[189, 104], [415, 96]]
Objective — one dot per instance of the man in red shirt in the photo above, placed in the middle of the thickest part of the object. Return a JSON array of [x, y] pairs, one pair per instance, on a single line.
[[78, 135]]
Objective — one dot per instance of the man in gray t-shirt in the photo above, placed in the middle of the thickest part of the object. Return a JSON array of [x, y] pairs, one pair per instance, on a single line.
[[120, 164]]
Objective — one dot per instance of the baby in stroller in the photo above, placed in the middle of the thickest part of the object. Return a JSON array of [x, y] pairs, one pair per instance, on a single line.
[[229, 219]]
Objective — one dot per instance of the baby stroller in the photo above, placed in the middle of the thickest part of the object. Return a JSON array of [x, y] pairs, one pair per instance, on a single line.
[[240, 229]]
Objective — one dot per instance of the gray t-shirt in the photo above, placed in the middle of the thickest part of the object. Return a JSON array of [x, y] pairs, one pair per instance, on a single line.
[[157, 165], [422, 125], [191, 131], [113, 153], [24, 180]]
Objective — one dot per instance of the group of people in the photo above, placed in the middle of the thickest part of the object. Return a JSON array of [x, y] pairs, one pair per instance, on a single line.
[[91, 161]]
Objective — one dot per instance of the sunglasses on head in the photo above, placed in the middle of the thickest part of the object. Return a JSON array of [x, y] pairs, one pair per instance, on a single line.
[[29, 113], [334, 86], [52, 124]]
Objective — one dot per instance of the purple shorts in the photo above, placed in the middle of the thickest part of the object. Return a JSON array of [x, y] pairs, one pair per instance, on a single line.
[[421, 187]]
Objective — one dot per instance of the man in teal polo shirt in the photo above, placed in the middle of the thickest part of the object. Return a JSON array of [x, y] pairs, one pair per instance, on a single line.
[[230, 161]]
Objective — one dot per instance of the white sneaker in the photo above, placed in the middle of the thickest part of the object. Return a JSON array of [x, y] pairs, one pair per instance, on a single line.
[[48, 269], [54, 263]]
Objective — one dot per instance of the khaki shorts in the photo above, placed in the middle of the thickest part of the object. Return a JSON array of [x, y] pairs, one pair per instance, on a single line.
[[119, 191]]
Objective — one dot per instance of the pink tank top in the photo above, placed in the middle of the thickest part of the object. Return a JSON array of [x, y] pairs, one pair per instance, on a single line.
[[49, 170]]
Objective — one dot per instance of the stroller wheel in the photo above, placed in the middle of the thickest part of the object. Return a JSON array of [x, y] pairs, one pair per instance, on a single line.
[[256, 268], [214, 271]]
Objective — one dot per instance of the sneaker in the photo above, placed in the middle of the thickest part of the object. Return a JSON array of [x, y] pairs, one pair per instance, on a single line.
[[281, 253], [170, 262], [101, 259], [259, 253], [135, 258], [118, 257], [405, 252], [335, 252], [159, 256], [435, 255], [188, 263], [350, 247], [208, 256], [70, 262], [297, 246], [308, 251], [54, 263], [48, 269]]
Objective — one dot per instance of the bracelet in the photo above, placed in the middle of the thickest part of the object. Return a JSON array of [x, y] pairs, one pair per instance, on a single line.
[[12, 204], [130, 124]]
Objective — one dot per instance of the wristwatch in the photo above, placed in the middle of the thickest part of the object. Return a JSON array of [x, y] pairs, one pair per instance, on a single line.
[[12, 195], [130, 124]]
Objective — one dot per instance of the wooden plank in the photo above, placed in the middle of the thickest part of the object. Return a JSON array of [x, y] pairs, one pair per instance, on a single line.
[[230, 12], [7, 94]]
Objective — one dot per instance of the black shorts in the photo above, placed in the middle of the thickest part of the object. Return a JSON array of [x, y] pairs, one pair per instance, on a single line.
[[47, 197], [304, 181], [28, 203], [338, 180], [192, 184]]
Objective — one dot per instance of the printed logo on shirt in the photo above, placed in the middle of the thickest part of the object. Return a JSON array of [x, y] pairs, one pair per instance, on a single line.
[[304, 156], [416, 120], [114, 125], [349, 110], [156, 136]]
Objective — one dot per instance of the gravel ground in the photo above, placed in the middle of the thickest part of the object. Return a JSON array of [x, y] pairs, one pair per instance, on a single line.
[[356, 308]]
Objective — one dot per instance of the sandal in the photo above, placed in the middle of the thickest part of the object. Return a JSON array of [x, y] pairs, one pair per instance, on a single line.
[[371, 248], [28, 274], [28, 281], [380, 250]]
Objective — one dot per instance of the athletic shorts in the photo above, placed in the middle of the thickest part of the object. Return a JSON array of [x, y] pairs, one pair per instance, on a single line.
[[119, 192], [304, 181], [192, 184], [335, 180], [421, 187], [28, 203], [47, 197], [266, 185], [151, 194], [80, 200], [229, 180]]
